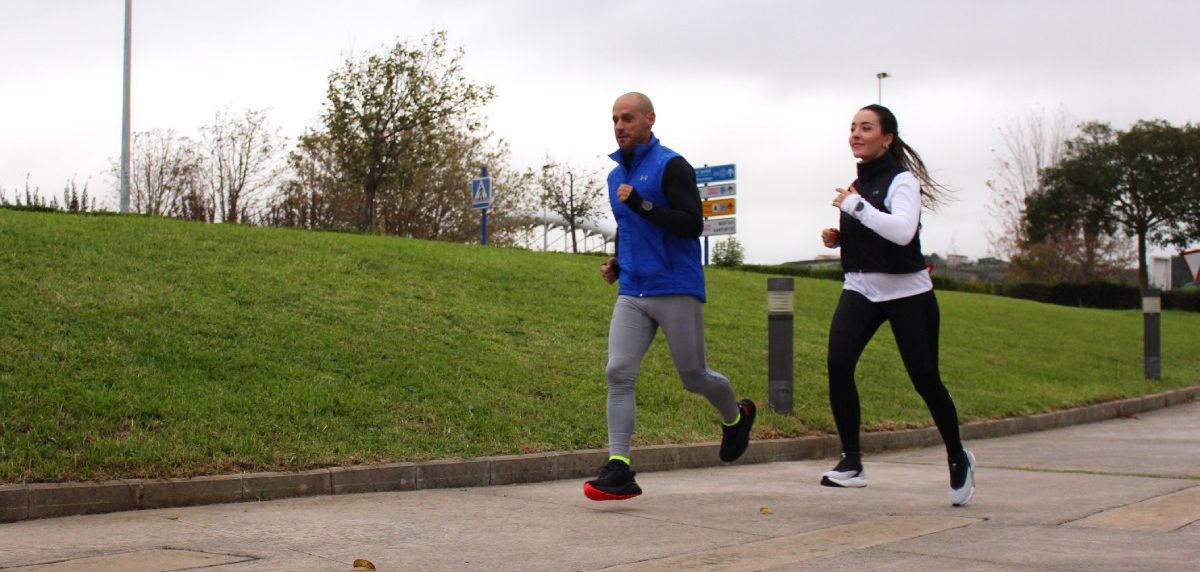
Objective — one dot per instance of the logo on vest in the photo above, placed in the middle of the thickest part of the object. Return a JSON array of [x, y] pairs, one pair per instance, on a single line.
[[645, 177]]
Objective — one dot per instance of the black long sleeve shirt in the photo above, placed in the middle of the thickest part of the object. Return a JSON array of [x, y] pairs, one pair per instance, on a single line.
[[681, 215]]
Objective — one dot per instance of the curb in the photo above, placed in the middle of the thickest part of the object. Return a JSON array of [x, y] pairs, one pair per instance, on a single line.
[[47, 500]]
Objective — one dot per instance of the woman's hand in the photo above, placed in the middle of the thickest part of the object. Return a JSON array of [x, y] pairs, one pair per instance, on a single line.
[[842, 194], [831, 237]]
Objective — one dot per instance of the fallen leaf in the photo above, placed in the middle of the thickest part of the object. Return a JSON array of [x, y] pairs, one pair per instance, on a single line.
[[361, 564], [766, 510]]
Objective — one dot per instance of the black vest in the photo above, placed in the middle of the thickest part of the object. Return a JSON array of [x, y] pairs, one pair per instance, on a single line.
[[862, 249]]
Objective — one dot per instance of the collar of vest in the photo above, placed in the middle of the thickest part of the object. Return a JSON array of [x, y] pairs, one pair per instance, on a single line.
[[870, 169], [638, 153]]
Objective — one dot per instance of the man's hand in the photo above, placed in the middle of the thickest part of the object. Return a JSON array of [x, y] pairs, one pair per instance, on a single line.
[[831, 237], [609, 270], [623, 192]]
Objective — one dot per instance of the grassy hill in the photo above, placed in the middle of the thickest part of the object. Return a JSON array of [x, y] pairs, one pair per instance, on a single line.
[[140, 347]]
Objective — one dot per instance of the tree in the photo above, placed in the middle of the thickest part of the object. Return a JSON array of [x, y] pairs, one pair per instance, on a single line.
[[1139, 181], [573, 194], [314, 194], [1031, 144], [240, 163], [163, 172], [379, 107], [728, 252]]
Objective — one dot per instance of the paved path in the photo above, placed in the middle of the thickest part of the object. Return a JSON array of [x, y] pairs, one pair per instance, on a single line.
[[1117, 495]]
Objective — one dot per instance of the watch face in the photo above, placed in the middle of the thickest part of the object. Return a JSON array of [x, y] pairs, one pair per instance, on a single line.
[[647, 205]]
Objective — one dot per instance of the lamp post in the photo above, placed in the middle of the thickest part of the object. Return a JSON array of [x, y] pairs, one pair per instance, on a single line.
[[124, 202], [879, 77]]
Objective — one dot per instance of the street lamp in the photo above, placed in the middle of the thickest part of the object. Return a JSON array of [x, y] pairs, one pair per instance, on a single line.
[[879, 76], [124, 200]]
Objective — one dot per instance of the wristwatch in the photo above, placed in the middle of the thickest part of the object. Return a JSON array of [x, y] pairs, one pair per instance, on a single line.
[[647, 206]]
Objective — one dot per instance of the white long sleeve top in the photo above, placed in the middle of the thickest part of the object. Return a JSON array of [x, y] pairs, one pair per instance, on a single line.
[[900, 226]]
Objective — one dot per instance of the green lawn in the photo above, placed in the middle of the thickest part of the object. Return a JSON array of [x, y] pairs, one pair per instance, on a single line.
[[146, 347]]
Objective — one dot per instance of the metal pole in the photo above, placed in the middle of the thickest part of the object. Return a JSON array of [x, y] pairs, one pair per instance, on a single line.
[[780, 308], [1152, 332], [879, 77], [125, 108], [483, 221]]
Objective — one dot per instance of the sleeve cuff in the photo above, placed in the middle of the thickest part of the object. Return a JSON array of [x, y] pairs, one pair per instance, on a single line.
[[849, 203]]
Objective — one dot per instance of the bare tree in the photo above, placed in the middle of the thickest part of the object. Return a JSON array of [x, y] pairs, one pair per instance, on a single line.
[[1030, 143], [163, 170], [571, 193], [240, 163]]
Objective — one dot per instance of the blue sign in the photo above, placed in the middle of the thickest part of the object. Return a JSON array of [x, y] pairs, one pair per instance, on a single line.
[[716, 173], [481, 193]]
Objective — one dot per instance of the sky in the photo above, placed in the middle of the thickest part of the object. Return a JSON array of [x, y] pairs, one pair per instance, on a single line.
[[770, 86]]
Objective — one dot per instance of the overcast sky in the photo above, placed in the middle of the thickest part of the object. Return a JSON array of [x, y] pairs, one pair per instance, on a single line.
[[768, 85]]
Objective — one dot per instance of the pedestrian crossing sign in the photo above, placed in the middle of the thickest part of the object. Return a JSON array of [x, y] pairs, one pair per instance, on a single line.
[[481, 193]]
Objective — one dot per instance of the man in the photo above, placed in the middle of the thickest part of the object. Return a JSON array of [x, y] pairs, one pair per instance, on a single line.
[[653, 195]]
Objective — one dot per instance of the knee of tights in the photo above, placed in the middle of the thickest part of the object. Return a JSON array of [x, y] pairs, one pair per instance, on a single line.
[[621, 375]]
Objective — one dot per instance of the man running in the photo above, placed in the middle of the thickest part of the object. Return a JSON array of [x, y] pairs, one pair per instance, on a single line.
[[654, 199]]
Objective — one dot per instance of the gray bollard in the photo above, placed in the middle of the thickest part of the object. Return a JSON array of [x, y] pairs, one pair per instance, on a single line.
[[781, 303], [1151, 331]]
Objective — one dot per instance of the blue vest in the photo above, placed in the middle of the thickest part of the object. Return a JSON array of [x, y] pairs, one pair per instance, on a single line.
[[653, 261]]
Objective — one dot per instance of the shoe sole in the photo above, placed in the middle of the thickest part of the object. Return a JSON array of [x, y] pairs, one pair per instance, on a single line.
[[854, 483], [971, 479], [598, 495]]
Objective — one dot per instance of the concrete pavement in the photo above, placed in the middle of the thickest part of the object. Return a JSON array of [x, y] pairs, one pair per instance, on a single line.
[[1122, 494]]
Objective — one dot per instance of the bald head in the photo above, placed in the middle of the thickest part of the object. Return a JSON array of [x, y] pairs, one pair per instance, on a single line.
[[639, 101], [633, 120]]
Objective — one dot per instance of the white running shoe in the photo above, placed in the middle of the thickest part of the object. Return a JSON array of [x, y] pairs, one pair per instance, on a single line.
[[964, 477], [848, 473]]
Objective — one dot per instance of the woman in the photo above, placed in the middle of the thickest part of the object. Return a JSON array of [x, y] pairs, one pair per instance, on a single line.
[[887, 280]]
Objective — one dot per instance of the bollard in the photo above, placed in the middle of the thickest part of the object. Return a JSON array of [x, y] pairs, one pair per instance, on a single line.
[[781, 302], [1151, 331]]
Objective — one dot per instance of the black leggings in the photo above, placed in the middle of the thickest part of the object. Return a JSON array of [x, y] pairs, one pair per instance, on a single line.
[[914, 323]]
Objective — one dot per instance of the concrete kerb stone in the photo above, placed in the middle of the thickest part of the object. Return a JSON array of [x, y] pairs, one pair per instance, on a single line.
[[166, 493], [269, 486], [530, 468], [373, 478], [14, 503], [63, 499], [20, 502], [449, 474]]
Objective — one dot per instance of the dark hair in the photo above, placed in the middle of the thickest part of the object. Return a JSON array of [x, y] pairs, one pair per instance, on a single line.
[[933, 194]]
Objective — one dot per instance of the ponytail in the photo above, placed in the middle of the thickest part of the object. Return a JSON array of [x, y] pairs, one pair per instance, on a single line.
[[933, 194]]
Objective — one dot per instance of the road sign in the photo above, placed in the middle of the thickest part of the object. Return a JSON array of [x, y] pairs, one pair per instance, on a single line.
[[719, 207], [716, 173], [1191, 259], [481, 193], [722, 190], [716, 226]]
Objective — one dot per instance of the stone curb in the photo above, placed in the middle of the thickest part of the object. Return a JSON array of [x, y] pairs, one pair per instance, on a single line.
[[45, 500]]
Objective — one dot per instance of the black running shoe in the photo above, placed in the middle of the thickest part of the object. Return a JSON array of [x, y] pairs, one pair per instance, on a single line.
[[615, 482], [737, 436], [848, 473]]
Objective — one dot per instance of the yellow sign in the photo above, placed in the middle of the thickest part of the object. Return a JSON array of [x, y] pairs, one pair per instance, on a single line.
[[719, 207]]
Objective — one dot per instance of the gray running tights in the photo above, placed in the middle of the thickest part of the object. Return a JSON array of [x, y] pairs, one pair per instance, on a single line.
[[635, 321]]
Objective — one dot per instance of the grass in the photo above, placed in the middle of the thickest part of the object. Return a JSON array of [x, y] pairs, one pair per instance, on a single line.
[[146, 347]]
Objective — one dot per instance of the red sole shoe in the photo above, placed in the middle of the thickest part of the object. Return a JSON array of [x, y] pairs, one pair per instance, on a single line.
[[598, 495]]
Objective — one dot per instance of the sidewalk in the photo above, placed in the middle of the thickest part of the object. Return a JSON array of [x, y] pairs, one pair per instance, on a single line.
[[1122, 494]]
